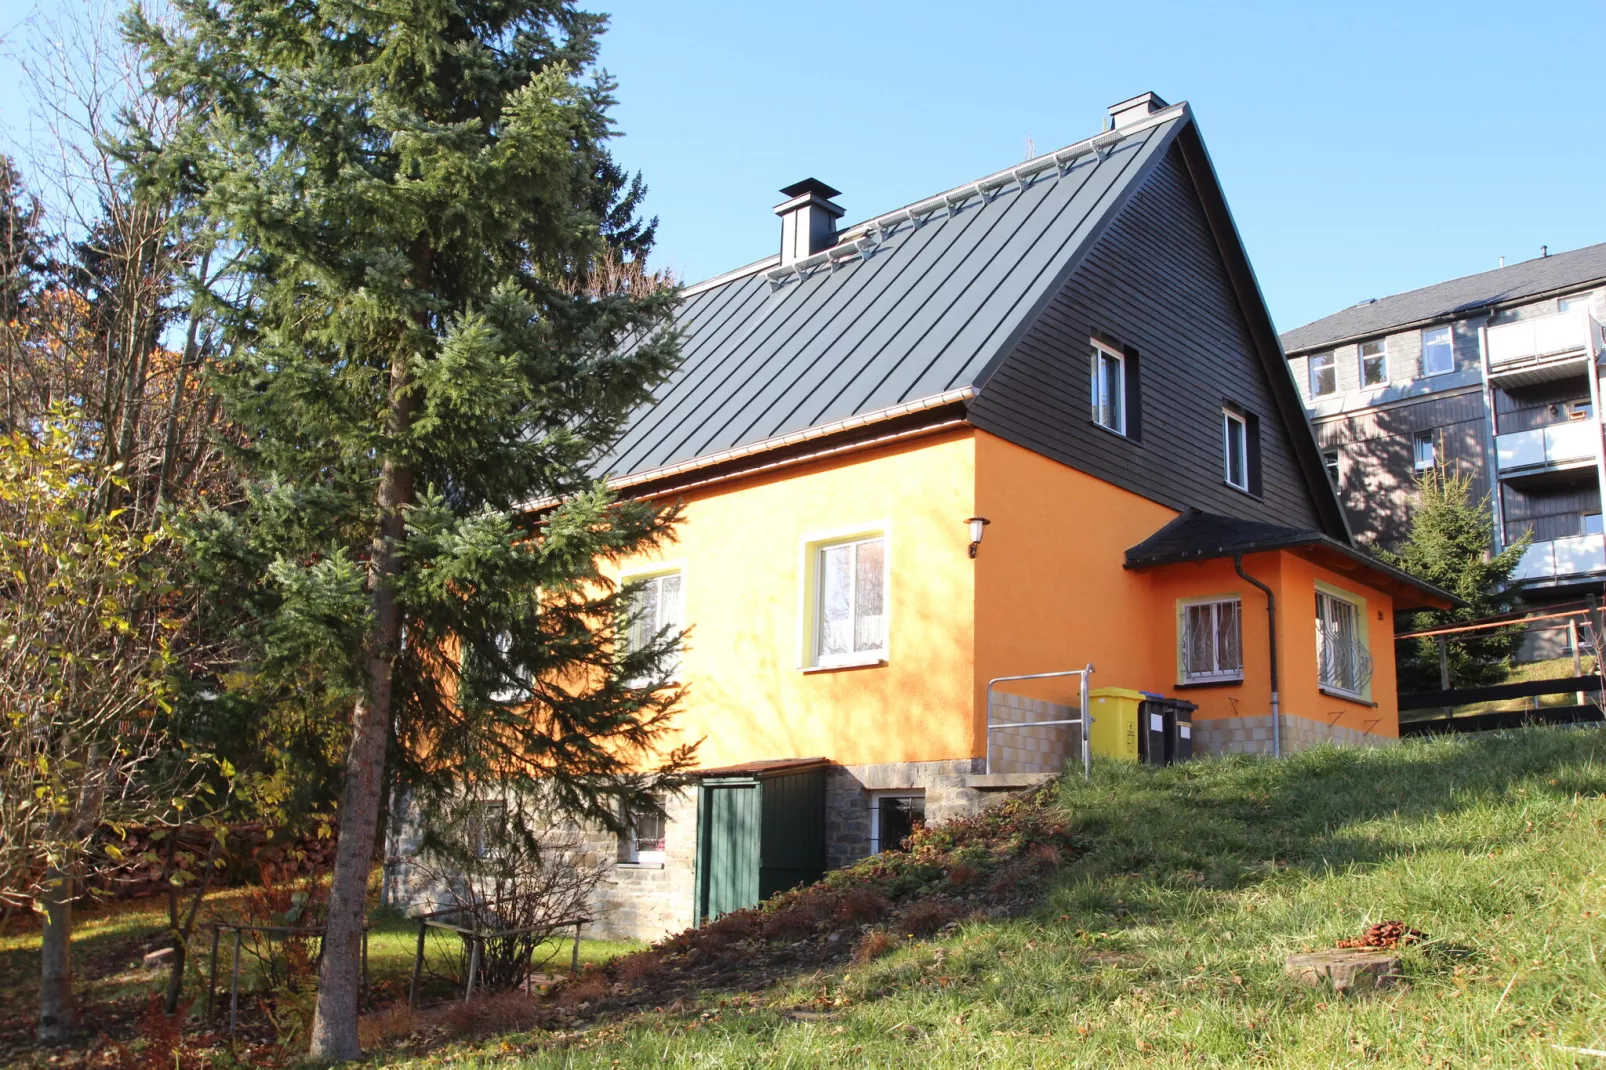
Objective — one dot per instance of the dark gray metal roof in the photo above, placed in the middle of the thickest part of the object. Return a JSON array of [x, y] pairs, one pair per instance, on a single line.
[[928, 310], [1447, 300]]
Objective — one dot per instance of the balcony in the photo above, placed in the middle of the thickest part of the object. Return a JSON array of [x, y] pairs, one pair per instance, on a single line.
[[1551, 448], [1563, 558], [1527, 347]]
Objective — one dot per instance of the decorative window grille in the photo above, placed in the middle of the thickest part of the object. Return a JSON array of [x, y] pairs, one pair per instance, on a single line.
[[645, 832], [1212, 641], [1438, 354], [1342, 660], [852, 602], [657, 611], [1374, 363], [1109, 390], [1323, 375]]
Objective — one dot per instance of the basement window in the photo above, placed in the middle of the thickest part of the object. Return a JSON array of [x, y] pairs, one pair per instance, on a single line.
[[642, 842], [1212, 641], [894, 816]]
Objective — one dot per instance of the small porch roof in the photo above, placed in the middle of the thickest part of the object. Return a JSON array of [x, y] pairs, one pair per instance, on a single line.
[[765, 767], [1195, 535]]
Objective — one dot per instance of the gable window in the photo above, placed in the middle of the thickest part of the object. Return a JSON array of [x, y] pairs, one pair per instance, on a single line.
[[657, 611], [1109, 389], [642, 842], [1212, 641], [1323, 375], [1423, 451], [1438, 353], [1235, 435], [851, 620], [1330, 462], [894, 817], [1374, 363], [1343, 663]]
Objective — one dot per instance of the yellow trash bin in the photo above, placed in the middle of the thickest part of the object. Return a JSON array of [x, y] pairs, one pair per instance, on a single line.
[[1114, 732]]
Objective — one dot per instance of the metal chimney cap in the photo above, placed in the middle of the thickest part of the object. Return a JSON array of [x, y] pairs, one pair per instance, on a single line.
[[810, 185]]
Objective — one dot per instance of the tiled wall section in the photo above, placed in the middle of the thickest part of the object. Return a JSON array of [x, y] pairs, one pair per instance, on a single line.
[[1252, 735], [1029, 750], [847, 799]]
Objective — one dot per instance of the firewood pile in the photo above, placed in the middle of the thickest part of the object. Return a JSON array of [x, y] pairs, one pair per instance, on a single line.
[[1387, 935]]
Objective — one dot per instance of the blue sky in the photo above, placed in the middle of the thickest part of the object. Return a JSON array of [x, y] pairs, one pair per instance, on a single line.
[[1365, 148]]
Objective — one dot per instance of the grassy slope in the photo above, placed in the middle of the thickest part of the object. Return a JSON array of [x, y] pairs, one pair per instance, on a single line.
[[1164, 944]]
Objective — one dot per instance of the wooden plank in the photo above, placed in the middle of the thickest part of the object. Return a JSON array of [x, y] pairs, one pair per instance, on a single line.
[[1465, 696], [1489, 722]]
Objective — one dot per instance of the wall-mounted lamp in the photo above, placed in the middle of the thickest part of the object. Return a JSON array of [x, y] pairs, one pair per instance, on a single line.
[[978, 527]]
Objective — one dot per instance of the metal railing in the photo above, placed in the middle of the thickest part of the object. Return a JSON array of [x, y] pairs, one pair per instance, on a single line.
[[1085, 720]]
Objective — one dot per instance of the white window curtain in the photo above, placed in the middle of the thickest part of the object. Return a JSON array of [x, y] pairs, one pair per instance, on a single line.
[[1342, 660], [658, 609], [852, 596]]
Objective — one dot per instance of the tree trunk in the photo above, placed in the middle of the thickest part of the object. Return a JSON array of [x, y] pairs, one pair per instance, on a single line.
[[58, 1015], [334, 1026]]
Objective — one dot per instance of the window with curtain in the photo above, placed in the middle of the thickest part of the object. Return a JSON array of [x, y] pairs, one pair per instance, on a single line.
[[1342, 661], [851, 601], [657, 611]]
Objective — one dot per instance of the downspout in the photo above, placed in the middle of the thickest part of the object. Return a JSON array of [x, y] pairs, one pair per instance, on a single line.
[[1271, 634]]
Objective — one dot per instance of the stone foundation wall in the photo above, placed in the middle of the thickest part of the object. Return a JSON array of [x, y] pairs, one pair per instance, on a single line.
[[847, 799], [633, 902], [1252, 735]]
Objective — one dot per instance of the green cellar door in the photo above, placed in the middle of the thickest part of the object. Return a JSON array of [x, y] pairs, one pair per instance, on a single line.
[[730, 848]]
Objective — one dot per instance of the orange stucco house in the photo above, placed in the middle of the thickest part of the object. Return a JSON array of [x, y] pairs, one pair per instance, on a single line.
[[1074, 350]]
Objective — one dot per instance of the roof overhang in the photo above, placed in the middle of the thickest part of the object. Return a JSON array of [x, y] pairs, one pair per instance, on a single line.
[[1406, 590], [760, 769]]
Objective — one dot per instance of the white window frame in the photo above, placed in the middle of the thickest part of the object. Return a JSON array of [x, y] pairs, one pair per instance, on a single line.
[[1311, 369], [648, 574], [1217, 604], [1335, 471], [1573, 302], [504, 643], [1101, 353], [1228, 420], [1361, 357], [1360, 653], [630, 849], [480, 828], [876, 798], [813, 604], [1449, 335], [1418, 438]]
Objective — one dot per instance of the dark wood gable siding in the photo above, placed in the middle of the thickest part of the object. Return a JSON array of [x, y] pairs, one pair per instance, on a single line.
[[1155, 283]]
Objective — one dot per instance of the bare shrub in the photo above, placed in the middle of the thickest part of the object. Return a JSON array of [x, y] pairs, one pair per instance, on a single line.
[[637, 968], [926, 916], [510, 887], [874, 944], [861, 904]]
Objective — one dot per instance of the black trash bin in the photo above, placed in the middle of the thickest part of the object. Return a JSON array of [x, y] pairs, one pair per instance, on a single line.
[[1179, 737], [1165, 729]]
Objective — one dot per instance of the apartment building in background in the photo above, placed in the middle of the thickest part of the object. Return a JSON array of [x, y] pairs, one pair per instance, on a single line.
[[1495, 374]]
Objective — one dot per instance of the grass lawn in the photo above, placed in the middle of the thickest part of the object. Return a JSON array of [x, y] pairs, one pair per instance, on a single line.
[[1164, 944]]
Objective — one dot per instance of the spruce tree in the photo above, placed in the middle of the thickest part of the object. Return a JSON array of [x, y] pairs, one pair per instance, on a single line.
[[444, 318], [1449, 546]]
